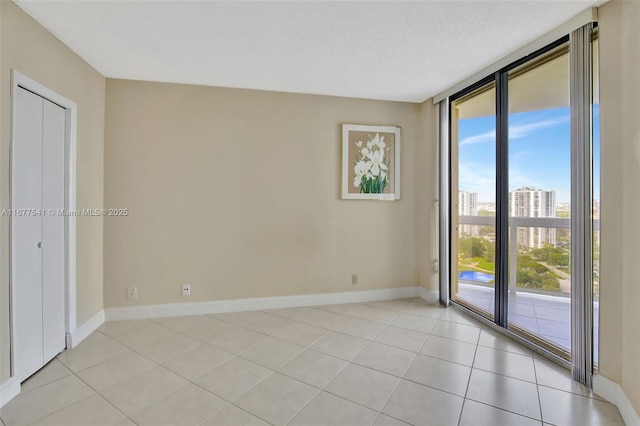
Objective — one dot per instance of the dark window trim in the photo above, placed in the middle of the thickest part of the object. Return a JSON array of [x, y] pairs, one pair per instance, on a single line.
[[500, 81]]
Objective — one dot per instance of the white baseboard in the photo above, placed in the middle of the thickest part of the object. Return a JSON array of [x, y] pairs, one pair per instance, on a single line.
[[11, 388], [8, 390], [612, 392], [431, 296], [79, 334], [258, 303]]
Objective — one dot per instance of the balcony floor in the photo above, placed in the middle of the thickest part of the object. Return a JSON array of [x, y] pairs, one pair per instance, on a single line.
[[544, 315]]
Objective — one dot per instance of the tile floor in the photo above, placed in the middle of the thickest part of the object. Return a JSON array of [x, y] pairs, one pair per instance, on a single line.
[[392, 362]]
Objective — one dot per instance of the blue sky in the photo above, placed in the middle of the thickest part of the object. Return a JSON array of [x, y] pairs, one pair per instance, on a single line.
[[539, 153]]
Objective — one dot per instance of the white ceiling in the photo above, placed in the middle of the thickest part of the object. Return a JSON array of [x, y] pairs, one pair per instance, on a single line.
[[404, 51]]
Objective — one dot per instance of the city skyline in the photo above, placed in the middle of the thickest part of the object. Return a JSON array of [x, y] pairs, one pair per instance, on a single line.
[[539, 153]]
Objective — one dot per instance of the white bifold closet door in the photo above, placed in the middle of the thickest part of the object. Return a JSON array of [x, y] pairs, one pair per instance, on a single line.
[[38, 242]]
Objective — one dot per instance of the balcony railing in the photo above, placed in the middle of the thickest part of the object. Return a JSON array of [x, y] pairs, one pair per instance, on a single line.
[[520, 222], [524, 222]]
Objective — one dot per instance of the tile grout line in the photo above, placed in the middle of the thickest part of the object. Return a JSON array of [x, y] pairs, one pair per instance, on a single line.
[[53, 381], [61, 408], [162, 340], [592, 396], [211, 344], [505, 375], [105, 324], [504, 409], [82, 369], [464, 398], [535, 373], [103, 397], [492, 406], [232, 402], [304, 406], [95, 392], [396, 387]]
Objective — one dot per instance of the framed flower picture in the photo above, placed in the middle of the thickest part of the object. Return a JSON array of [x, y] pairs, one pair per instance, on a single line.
[[370, 162]]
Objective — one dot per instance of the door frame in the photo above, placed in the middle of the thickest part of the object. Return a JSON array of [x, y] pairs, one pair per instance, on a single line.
[[580, 358], [70, 191]]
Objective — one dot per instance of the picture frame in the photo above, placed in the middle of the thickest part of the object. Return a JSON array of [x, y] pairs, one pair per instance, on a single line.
[[370, 162]]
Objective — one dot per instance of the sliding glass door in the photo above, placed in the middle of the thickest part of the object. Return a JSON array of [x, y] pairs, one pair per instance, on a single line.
[[473, 130], [539, 146], [522, 252]]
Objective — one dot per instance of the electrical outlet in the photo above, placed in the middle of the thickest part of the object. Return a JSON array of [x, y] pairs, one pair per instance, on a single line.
[[354, 279], [186, 289], [132, 293]]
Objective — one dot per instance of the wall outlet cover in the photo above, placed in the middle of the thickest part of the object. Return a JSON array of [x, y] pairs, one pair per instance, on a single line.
[[132, 293]]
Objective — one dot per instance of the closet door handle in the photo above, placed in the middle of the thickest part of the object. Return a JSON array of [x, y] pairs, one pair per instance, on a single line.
[[39, 244]]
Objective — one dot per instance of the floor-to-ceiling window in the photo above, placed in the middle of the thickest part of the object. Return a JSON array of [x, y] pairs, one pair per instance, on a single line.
[[512, 148], [539, 147], [473, 130], [596, 198]]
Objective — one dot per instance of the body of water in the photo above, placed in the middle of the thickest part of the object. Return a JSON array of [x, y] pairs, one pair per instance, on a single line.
[[476, 276]]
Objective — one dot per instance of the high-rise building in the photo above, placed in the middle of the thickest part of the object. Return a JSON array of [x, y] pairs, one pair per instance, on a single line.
[[468, 206], [596, 209], [531, 202]]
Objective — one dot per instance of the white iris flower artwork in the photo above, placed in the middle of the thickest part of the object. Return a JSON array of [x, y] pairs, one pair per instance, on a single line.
[[370, 162], [371, 170]]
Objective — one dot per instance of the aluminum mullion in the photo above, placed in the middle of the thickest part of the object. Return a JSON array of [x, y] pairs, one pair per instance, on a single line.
[[444, 225], [501, 292], [581, 205]]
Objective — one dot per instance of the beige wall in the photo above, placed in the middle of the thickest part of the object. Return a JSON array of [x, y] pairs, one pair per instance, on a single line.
[[237, 193], [29, 48], [620, 246]]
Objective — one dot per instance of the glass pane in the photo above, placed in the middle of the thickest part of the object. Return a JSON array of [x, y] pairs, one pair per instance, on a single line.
[[473, 149], [539, 201]]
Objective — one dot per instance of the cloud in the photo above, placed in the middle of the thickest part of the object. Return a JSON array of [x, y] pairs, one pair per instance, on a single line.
[[519, 131], [477, 178], [516, 131], [489, 136], [519, 155], [480, 178], [519, 178]]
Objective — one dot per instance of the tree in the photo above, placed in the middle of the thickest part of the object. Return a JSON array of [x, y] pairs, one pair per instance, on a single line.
[[490, 251], [559, 259], [471, 247], [524, 278], [533, 274], [557, 256]]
